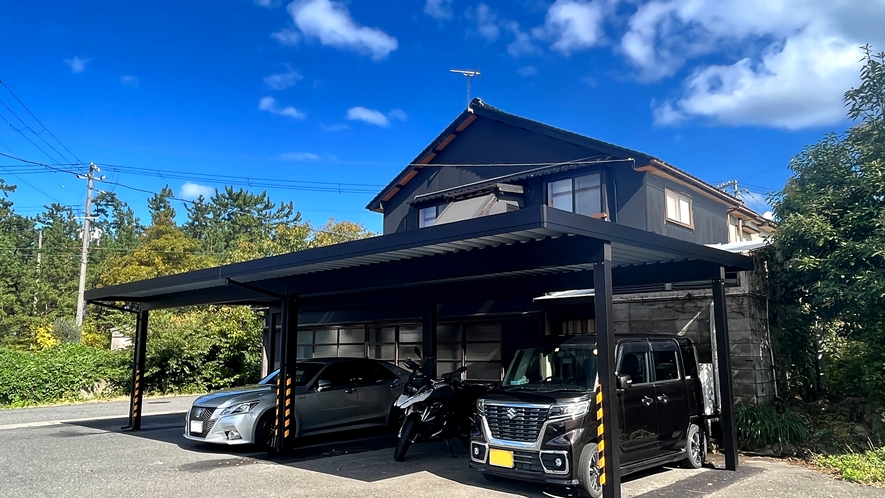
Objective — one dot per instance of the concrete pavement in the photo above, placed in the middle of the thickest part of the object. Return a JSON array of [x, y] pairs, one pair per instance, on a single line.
[[89, 456]]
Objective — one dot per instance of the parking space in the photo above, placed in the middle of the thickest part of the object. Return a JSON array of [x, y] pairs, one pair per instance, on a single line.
[[80, 451]]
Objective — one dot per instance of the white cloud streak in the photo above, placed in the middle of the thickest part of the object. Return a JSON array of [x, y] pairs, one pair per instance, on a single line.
[[267, 4], [331, 24], [281, 81], [270, 105], [299, 156], [129, 80], [191, 191], [370, 116], [77, 64], [438, 9]]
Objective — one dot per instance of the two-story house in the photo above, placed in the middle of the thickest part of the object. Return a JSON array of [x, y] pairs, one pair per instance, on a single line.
[[488, 162]]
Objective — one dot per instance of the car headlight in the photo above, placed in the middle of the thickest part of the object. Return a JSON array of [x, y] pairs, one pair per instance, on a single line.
[[481, 406], [239, 408], [569, 410]]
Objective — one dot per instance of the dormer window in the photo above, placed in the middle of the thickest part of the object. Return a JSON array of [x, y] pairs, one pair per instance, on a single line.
[[427, 216], [582, 194]]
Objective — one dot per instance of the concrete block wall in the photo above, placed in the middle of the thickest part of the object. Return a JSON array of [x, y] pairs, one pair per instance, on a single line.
[[688, 314]]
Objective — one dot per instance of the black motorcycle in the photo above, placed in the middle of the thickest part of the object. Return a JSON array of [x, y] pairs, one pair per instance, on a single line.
[[435, 408]]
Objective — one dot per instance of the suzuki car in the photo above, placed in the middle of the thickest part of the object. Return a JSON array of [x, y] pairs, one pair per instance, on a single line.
[[540, 424], [331, 394]]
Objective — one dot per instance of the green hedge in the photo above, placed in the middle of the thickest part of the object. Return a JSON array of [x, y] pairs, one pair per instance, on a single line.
[[61, 373]]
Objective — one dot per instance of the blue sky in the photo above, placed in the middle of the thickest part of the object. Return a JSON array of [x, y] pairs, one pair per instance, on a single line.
[[350, 92]]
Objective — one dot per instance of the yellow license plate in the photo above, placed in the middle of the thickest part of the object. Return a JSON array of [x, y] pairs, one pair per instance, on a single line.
[[501, 458]]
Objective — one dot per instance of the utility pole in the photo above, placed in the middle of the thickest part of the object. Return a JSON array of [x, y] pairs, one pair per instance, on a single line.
[[39, 259], [84, 254]]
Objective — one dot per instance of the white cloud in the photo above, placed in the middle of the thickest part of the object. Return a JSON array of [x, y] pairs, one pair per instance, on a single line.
[[486, 21], [267, 4], [370, 116], [269, 104], [522, 41], [786, 62], [299, 156], [281, 81], [287, 36], [330, 23], [439, 9], [573, 24], [335, 127], [527, 71], [77, 64], [398, 114], [129, 80], [192, 191]]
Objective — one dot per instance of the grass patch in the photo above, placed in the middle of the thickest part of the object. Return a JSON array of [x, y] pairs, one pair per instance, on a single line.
[[770, 425], [863, 468]]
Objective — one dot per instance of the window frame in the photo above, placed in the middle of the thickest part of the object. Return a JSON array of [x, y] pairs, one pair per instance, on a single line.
[[678, 196], [421, 223], [636, 347], [602, 213], [666, 346]]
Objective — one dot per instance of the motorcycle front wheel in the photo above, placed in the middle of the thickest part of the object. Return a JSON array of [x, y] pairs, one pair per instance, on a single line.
[[405, 439]]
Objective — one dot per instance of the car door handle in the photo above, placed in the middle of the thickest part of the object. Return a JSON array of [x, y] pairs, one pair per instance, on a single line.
[[662, 398], [646, 400], [350, 390]]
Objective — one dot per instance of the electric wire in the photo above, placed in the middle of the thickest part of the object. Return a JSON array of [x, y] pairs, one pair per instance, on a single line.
[[38, 121]]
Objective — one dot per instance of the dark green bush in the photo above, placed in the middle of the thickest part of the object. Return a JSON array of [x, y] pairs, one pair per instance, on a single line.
[[771, 425], [61, 373]]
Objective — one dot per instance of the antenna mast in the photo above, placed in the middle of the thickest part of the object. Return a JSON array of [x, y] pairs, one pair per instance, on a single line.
[[468, 75]]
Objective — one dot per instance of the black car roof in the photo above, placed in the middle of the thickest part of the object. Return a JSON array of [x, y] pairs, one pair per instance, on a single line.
[[590, 339]]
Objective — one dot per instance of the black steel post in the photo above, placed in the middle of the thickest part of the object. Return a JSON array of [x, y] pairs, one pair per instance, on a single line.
[[428, 330], [138, 353], [285, 409], [729, 433], [605, 342]]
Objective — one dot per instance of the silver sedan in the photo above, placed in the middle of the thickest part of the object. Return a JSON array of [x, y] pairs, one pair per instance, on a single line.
[[331, 394]]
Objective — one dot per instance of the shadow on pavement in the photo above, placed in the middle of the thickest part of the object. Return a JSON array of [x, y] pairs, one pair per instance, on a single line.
[[364, 455]]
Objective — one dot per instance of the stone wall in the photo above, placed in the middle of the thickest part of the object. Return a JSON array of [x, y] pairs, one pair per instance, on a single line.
[[687, 313]]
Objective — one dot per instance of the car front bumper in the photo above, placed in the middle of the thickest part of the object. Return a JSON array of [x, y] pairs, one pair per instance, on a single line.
[[527, 465], [228, 429]]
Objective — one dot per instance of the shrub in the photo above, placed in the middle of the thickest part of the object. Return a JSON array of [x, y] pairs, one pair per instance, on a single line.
[[59, 373], [769, 425]]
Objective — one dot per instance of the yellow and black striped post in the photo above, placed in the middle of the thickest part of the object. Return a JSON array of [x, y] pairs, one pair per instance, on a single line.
[[285, 406], [607, 402], [138, 355], [600, 434]]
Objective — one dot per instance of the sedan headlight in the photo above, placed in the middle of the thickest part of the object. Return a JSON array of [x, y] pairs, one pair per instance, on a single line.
[[239, 408], [569, 410]]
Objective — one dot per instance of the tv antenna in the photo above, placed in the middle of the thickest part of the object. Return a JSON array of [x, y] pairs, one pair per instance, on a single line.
[[468, 75]]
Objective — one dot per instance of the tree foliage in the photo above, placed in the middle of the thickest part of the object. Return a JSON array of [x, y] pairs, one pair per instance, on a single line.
[[828, 255]]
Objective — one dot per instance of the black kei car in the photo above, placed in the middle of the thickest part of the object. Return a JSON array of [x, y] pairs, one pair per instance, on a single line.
[[540, 424]]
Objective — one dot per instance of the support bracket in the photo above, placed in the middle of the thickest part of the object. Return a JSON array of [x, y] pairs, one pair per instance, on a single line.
[[229, 281]]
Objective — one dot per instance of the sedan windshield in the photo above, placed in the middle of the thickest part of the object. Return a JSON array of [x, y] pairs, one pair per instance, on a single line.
[[561, 368], [304, 372]]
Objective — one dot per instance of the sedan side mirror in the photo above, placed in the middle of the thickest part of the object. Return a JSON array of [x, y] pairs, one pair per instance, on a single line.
[[624, 381], [323, 384]]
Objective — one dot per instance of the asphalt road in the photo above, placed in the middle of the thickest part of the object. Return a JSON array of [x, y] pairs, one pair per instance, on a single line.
[[79, 451]]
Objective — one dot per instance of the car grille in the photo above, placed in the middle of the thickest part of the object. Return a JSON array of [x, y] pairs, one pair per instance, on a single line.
[[515, 423], [205, 414], [523, 460]]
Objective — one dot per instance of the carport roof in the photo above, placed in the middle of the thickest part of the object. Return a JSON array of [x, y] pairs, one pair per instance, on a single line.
[[521, 243]]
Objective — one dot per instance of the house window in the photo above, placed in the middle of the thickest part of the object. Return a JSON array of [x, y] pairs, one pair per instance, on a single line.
[[427, 216], [582, 195], [679, 208], [474, 345]]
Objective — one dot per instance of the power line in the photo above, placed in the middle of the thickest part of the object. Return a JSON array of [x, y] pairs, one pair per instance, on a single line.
[[38, 121]]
